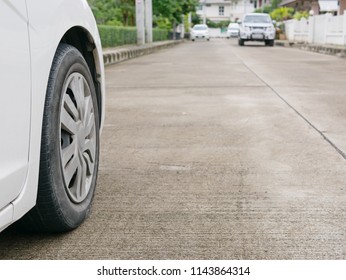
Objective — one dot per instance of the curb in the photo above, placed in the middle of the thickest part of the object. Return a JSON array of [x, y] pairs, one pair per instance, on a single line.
[[331, 50], [117, 55], [339, 51]]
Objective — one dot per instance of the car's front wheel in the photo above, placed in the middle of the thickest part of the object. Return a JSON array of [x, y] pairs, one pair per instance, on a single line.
[[269, 43], [69, 146]]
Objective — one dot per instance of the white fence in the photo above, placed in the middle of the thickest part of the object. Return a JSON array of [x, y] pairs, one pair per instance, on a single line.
[[320, 29]]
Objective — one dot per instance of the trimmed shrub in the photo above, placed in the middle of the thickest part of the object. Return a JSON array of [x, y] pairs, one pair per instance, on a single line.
[[160, 34], [113, 36]]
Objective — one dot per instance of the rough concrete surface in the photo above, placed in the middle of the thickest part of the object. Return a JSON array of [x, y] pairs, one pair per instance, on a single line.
[[215, 151]]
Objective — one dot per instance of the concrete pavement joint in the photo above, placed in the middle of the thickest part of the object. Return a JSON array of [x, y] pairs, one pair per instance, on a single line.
[[308, 122], [339, 151]]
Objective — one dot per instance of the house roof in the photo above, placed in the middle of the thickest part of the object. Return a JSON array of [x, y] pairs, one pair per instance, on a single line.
[[325, 5]]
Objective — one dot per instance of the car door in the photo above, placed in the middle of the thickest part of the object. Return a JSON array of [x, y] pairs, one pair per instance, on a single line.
[[14, 98]]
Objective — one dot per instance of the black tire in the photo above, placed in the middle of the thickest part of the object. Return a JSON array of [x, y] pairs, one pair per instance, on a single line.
[[240, 42], [57, 208], [270, 43]]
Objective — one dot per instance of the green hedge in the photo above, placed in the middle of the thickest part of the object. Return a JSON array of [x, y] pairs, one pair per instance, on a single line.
[[160, 34], [112, 36]]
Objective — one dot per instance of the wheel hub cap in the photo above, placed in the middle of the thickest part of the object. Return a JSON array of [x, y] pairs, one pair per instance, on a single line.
[[78, 137]]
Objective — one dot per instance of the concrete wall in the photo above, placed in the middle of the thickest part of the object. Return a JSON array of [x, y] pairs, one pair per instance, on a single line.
[[320, 29]]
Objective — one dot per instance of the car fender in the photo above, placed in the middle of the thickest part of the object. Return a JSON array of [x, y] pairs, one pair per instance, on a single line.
[[48, 21]]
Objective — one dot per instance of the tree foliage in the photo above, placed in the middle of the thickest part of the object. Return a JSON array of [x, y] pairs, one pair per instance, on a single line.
[[274, 4], [114, 12], [173, 10], [282, 13], [301, 14], [220, 24], [122, 12]]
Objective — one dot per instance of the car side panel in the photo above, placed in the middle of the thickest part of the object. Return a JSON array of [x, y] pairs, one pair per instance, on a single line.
[[14, 100], [49, 21]]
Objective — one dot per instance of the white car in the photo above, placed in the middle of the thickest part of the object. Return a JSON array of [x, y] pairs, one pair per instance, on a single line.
[[51, 112], [257, 27], [200, 31], [233, 30]]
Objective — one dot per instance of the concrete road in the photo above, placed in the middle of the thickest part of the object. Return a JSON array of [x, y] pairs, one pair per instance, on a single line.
[[215, 151]]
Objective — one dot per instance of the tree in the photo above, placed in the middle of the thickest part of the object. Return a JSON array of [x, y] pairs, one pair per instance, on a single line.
[[122, 12], [114, 12], [196, 19], [105, 11], [282, 13], [274, 4], [128, 11], [173, 10], [301, 14]]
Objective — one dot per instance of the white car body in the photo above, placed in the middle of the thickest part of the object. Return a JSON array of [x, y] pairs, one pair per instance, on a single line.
[[199, 31], [257, 27], [31, 32], [233, 30]]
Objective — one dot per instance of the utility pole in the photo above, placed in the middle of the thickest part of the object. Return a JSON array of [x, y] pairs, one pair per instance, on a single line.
[[149, 21], [140, 22], [204, 7], [144, 21]]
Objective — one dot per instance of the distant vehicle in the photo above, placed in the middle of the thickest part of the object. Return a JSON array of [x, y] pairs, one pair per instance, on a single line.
[[257, 27], [233, 30], [200, 31], [51, 113]]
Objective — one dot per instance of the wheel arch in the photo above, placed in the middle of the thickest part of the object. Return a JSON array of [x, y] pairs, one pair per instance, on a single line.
[[82, 40]]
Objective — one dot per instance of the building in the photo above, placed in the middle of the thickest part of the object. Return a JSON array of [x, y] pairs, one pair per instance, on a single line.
[[336, 7], [224, 10]]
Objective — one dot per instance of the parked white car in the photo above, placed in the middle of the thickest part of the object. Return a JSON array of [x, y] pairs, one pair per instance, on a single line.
[[200, 31], [257, 27], [51, 112], [233, 30]]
